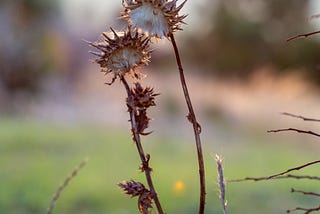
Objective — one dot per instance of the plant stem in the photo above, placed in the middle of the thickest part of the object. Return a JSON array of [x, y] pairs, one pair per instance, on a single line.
[[196, 126], [136, 137]]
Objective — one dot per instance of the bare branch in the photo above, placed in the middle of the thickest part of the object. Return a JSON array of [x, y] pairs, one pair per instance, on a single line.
[[294, 129], [302, 35], [300, 177], [275, 175], [301, 117], [305, 193], [307, 210]]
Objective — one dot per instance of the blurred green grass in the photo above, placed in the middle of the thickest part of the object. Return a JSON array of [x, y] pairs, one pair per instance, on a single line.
[[35, 158]]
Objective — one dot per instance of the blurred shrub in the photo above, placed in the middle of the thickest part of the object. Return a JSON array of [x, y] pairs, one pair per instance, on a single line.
[[244, 35], [22, 59]]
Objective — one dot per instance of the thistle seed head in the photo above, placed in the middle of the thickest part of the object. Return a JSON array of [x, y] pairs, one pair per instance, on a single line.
[[122, 54], [156, 18]]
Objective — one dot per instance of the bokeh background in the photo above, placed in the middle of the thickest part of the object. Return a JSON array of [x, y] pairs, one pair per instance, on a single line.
[[55, 109]]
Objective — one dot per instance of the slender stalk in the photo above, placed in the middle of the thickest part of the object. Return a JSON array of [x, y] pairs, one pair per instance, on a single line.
[[302, 35], [136, 137], [196, 126], [64, 185]]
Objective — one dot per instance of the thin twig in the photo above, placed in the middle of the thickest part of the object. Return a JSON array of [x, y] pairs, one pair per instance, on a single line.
[[306, 193], [302, 35], [136, 137], [298, 177], [307, 210], [64, 185], [196, 126], [301, 117], [275, 175], [294, 129], [222, 185]]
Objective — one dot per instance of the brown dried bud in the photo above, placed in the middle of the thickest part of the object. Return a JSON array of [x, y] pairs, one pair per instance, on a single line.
[[142, 121], [145, 202], [143, 97], [132, 188]]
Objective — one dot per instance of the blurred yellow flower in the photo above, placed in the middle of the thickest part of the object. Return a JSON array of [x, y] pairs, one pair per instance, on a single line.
[[179, 186]]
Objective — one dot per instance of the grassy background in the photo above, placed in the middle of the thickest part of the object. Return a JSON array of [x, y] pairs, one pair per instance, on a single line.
[[35, 157]]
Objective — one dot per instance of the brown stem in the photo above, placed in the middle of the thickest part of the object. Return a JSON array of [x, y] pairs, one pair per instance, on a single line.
[[196, 126], [136, 137], [302, 35]]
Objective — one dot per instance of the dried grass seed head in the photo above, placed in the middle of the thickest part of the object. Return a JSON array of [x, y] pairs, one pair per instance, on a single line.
[[122, 54], [156, 18]]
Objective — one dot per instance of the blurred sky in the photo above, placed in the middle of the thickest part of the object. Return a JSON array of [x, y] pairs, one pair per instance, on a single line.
[[99, 12]]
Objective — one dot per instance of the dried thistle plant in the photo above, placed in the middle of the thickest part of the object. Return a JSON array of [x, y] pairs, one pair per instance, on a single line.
[[159, 19], [123, 54]]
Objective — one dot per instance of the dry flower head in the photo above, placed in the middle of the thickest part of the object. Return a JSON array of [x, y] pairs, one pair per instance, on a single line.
[[122, 54], [134, 188], [140, 100], [156, 18], [143, 97]]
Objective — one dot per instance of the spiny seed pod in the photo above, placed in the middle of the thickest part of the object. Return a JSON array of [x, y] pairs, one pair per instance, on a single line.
[[156, 18], [143, 97], [139, 100], [122, 54], [132, 188]]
